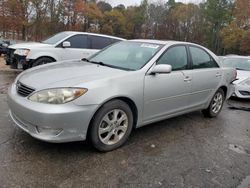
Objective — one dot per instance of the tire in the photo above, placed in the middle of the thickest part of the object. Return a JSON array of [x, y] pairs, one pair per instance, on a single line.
[[42, 61], [215, 105], [111, 126]]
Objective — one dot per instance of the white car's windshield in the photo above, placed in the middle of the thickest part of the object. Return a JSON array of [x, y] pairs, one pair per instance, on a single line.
[[56, 38], [238, 63], [127, 55]]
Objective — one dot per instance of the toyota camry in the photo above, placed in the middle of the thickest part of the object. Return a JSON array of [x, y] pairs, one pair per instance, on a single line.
[[125, 86]]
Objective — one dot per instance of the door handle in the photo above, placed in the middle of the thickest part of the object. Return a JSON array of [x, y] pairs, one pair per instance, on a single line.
[[187, 79], [218, 74]]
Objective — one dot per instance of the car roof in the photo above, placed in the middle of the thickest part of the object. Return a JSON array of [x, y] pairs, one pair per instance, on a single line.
[[235, 56], [164, 42], [93, 34]]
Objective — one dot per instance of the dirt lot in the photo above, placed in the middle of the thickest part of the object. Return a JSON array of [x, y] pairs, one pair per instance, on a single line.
[[6, 68], [2, 64], [187, 151]]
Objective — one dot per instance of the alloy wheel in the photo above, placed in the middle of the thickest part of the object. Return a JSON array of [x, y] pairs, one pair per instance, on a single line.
[[217, 102], [113, 127]]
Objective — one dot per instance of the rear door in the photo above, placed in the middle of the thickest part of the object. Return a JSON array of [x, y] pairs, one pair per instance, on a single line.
[[206, 76], [166, 94]]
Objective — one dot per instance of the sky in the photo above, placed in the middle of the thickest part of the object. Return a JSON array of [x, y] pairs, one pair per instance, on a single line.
[[137, 2]]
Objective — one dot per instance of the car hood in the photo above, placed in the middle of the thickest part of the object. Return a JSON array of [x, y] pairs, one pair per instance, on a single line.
[[29, 45], [66, 74], [242, 75]]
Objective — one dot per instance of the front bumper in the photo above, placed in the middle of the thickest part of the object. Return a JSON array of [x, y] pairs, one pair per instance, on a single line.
[[22, 62], [3, 51], [18, 61], [242, 91], [9, 58], [67, 122]]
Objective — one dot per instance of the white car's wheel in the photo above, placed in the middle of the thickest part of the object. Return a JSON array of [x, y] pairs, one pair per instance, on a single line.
[[42, 61]]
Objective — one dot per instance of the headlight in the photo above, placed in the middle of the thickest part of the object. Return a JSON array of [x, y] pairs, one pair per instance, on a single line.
[[57, 96], [245, 82], [22, 52]]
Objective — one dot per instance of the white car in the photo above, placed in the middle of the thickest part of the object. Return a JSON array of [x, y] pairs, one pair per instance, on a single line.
[[62, 46], [242, 64]]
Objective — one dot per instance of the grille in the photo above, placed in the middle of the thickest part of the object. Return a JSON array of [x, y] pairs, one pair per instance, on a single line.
[[23, 90]]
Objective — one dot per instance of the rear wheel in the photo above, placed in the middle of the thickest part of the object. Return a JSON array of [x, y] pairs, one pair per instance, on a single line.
[[42, 61], [216, 104], [111, 126]]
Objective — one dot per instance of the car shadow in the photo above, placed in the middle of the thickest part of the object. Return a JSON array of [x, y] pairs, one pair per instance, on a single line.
[[235, 103], [167, 130]]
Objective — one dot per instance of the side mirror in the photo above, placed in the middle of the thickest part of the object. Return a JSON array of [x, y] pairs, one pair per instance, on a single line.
[[161, 69], [66, 44]]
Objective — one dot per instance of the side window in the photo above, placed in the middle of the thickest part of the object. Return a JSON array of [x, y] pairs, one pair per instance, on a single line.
[[99, 42], [78, 41], [202, 59], [175, 56]]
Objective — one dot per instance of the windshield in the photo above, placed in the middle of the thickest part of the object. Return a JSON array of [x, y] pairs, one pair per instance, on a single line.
[[56, 38], [127, 55], [238, 63]]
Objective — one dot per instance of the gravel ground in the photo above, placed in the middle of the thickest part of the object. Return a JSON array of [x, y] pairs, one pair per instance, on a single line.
[[6, 68], [2, 64]]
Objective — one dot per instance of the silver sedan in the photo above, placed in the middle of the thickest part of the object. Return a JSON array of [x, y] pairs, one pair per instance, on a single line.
[[127, 85]]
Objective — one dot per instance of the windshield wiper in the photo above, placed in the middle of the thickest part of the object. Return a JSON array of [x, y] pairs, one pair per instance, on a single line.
[[241, 69], [102, 64], [85, 59], [95, 62], [107, 65]]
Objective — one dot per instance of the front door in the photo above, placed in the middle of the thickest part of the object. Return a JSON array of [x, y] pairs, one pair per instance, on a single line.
[[165, 94], [79, 48]]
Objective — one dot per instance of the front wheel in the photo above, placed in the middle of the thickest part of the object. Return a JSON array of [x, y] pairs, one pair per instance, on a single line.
[[216, 104], [42, 61], [111, 126]]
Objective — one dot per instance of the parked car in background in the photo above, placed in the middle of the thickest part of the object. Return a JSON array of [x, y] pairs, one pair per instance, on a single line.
[[3, 46], [127, 85], [62, 46], [242, 65], [6, 48]]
